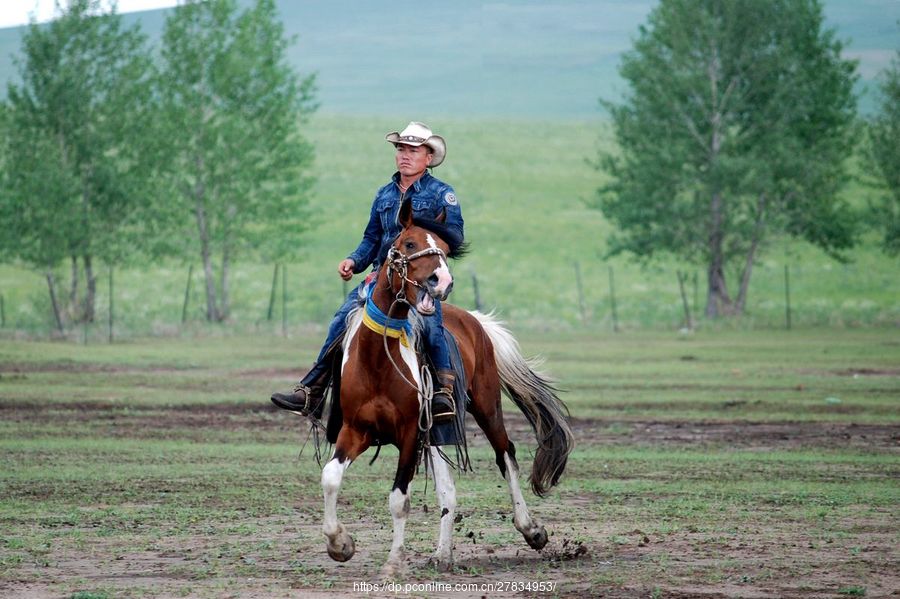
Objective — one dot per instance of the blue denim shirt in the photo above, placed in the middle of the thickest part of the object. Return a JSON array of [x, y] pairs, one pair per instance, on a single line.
[[429, 196]]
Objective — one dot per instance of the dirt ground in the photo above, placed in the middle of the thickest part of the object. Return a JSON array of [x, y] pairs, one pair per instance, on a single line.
[[579, 560], [133, 422], [779, 557]]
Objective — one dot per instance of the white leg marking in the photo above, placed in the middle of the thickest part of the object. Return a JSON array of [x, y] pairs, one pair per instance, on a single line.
[[399, 503], [522, 518], [446, 493], [332, 475]]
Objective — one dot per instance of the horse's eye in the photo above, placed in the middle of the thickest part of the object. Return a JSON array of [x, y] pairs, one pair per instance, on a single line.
[[410, 245]]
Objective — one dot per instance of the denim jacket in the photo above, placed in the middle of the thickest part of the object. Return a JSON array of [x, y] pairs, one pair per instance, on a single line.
[[429, 196]]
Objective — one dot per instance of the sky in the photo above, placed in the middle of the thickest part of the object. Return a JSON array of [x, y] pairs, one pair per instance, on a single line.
[[18, 12]]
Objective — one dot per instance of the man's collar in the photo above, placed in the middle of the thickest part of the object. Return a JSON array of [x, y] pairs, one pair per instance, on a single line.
[[417, 185]]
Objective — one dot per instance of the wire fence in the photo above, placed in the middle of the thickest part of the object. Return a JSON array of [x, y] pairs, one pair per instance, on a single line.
[[592, 299]]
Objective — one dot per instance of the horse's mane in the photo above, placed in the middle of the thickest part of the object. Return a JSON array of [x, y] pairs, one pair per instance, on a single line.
[[451, 236]]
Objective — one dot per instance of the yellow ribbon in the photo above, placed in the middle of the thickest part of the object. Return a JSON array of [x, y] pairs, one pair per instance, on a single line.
[[380, 329]]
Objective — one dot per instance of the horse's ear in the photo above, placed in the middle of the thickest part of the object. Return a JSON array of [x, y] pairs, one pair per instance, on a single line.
[[405, 218], [442, 216]]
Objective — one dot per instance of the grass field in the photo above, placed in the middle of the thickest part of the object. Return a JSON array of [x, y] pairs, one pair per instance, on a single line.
[[717, 464], [523, 188]]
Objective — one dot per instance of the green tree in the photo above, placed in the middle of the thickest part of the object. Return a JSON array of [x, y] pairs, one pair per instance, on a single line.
[[736, 128], [233, 158], [884, 153], [72, 131]]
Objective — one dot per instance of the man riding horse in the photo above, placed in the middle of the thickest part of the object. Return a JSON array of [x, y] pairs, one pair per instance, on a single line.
[[417, 150]]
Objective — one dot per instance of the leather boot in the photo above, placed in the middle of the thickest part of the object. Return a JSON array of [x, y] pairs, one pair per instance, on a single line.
[[443, 407], [308, 393]]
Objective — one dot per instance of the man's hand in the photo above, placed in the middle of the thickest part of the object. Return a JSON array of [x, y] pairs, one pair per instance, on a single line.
[[345, 269]]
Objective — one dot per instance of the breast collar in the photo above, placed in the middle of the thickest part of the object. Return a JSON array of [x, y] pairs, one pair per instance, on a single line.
[[377, 321]]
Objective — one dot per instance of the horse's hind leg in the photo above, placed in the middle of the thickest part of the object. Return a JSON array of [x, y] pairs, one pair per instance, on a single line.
[[490, 419], [349, 445], [535, 534], [446, 492]]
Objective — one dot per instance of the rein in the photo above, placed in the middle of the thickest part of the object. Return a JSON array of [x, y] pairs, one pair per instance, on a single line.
[[399, 262]]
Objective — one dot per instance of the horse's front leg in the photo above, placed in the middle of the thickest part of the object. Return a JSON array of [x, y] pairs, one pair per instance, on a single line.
[[399, 505], [446, 492], [339, 543]]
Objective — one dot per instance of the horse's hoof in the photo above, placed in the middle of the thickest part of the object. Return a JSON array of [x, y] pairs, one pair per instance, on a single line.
[[395, 566], [537, 539], [342, 548], [441, 563]]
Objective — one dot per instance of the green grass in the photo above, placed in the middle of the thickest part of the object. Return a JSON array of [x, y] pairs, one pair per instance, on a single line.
[[157, 468], [522, 189]]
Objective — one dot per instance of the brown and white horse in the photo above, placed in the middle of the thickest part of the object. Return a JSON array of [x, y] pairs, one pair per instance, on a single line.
[[379, 404]]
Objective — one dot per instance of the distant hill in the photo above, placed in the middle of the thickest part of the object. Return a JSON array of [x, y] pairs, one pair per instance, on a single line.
[[544, 59]]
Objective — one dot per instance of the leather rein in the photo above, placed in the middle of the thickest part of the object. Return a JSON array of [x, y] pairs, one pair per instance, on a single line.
[[399, 262]]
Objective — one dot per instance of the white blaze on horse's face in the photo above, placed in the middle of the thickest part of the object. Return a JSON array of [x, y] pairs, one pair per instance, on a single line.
[[445, 279]]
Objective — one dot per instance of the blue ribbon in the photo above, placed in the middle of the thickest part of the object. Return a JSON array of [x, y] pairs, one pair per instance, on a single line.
[[380, 318]]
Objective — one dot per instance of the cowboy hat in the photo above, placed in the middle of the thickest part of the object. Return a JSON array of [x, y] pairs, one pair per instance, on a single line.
[[417, 134]]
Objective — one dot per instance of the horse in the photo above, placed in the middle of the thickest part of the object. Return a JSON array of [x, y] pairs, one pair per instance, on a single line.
[[380, 399]]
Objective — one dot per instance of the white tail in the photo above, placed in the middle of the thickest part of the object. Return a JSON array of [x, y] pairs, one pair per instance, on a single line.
[[533, 393]]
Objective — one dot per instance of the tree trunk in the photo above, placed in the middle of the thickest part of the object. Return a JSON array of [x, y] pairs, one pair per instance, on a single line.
[[212, 310], [224, 307], [51, 285], [72, 308], [91, 296], [741, 300], [718, 303], [199, 191]]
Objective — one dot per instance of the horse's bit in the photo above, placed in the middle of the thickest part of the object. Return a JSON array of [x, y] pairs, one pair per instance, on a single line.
[[400, 262]]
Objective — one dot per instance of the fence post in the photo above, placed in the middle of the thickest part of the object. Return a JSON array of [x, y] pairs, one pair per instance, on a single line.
[[284, 300], [187, 294], [787, 296], [612, 300], [111, 318], [2, 312], [477, 293], [272, 294], [580, 288]]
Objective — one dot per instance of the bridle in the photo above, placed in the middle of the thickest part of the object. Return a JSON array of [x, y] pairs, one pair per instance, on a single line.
[[398, 261]]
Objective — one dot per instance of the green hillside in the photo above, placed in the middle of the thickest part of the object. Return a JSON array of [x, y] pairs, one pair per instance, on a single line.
[[521, 185], [513, 87], [524, 59]]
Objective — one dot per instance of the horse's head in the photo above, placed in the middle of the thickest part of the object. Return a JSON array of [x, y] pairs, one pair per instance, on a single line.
[[418, 260]]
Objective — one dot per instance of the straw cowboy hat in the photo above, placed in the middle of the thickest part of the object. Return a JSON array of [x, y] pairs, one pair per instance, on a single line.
[[418, 134]]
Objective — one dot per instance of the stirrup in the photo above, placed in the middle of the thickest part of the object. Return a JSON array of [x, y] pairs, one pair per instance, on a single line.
[[449, 404], [307, 392], [288, 402]]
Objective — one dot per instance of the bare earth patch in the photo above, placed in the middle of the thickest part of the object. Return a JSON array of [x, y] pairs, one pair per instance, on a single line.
[[587, 556], [192, 420]]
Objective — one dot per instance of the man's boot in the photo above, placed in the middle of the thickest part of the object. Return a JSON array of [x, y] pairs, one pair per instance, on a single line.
[[442, 405], [308, 393]]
